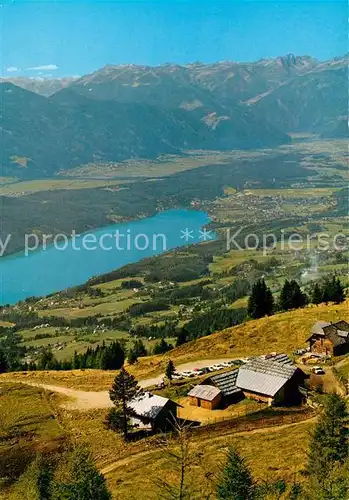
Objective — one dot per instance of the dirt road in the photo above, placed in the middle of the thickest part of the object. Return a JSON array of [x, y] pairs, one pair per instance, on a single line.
[[83, 400]]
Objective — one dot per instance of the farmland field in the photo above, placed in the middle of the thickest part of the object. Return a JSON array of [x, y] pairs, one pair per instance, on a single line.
[[21, 188]]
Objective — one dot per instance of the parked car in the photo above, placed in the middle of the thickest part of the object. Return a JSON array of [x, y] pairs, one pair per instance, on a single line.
[[213, 368], [237, 362], [198, 371], [218, 367], [318, 370], [206, 369]]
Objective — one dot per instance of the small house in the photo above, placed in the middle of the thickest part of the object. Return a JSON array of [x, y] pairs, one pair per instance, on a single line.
[[205, 396], [153, 412], [226, 383], [271, 382], [330, 339]]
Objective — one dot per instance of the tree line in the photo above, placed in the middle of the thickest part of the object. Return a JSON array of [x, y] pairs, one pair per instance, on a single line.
[[102, 357], [262, 302]]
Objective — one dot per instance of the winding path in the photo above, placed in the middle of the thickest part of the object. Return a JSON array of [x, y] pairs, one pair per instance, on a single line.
[[127, 460], [88, 400]]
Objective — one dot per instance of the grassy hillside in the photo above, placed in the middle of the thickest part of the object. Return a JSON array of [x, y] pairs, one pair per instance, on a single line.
[[28, 425], [283, 332], [137, 466]]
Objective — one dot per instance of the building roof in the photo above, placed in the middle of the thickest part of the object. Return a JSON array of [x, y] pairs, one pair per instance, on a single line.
[[337, 333], [278, 358], [264, 376], [207, 392], [342, 325], [226, 382], [337, 337], [148, 405], [317, 328]]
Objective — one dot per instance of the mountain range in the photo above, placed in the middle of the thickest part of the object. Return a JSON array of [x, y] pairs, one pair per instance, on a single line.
[[128, 111]]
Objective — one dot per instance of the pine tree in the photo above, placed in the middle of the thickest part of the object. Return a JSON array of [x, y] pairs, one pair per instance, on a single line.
[[132, 356], [124, 389], [338, 295], [235, 482], [333, 291], [46, 360], [170, 370], [162, 347], [139, 348], [316, 294], [79, 479], [261, 301], [76, 361], [329, 441], [298, 298], [3, 362], [291, 296], [112, 357], [284, 298], [333, 486]]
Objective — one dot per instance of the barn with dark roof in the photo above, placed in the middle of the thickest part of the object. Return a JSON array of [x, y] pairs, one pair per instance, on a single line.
[[330, 339], [226, 383]]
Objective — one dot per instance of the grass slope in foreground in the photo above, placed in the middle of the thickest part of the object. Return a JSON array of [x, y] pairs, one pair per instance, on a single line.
[[42, 426]]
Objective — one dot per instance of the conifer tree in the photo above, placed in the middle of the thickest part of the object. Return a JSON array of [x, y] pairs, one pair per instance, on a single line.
[[112, 357], [132, 356], [125, 388], [291, 296], [162, 347], [170, 370], [79, 479], [339, 295], [261, 301], [235, 482], [316, 294], [3, 362], [333, 291], [136, 351], [329, 441]]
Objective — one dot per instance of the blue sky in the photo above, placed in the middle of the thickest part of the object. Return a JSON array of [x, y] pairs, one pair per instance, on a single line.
[[74, 38]]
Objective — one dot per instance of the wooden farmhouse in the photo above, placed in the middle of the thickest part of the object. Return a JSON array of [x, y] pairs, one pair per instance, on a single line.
[[153, 412], [226, 383], [206, 396], [330, 339], [271, 379], [271, 382], [216, 390]]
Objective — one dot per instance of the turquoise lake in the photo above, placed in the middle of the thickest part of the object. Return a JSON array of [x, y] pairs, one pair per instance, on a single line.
[[47, 271]]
